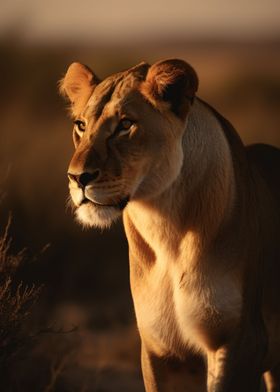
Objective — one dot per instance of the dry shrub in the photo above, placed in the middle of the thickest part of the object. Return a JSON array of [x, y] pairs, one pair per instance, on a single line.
[[16, 302]]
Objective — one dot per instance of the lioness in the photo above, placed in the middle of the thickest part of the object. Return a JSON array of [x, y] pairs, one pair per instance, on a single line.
[[201, 215]]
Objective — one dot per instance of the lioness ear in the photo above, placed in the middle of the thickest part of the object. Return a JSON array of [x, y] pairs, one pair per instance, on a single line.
[[78, 85], [173, 81]]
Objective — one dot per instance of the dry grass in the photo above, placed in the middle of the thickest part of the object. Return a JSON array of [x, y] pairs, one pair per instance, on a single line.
[[16, 303]]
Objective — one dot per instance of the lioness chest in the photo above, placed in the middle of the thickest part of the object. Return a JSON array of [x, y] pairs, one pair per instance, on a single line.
[[178, 307], [174, 315]]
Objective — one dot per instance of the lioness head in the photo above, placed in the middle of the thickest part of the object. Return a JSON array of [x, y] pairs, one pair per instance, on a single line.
[[127, 134]]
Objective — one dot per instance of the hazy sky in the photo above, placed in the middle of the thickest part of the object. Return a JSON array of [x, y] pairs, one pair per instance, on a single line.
[[113, 20]]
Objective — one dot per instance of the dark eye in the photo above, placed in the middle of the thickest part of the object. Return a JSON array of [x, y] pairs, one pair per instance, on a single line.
[[124, 126], [80, 125]]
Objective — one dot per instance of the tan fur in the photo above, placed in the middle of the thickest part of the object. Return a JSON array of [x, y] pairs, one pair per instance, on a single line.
[[78, 85], [202, 224]]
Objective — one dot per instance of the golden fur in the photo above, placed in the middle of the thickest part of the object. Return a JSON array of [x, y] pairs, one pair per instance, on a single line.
[[201, 214]]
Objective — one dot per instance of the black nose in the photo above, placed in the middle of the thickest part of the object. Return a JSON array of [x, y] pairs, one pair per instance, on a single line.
[[84, 178]]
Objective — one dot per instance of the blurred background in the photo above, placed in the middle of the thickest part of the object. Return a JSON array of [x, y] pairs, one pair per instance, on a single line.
[[83, 319]]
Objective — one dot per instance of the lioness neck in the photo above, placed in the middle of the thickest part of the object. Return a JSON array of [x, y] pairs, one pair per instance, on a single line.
[[200, 199]]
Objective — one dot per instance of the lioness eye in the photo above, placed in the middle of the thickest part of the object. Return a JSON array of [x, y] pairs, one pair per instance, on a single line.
[[80, 125], [124, 126]]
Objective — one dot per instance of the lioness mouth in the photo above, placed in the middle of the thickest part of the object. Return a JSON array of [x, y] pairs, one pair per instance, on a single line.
[[121, 205]]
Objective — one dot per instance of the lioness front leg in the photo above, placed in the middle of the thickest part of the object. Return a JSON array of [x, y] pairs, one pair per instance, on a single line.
[[272, 380], [169, 375], [238, 365], [228, 372]]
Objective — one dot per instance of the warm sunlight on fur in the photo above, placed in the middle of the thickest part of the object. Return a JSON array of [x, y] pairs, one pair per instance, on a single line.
[[89, 215], [201, 215]]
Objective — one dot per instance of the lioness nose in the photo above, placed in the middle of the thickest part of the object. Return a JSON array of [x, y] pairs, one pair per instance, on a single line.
[[84, 178]]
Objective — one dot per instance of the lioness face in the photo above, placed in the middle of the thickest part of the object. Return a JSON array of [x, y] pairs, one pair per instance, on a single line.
[[127, 134]]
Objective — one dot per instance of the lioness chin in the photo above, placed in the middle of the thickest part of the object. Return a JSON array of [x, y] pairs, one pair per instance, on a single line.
[[201, 215]]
